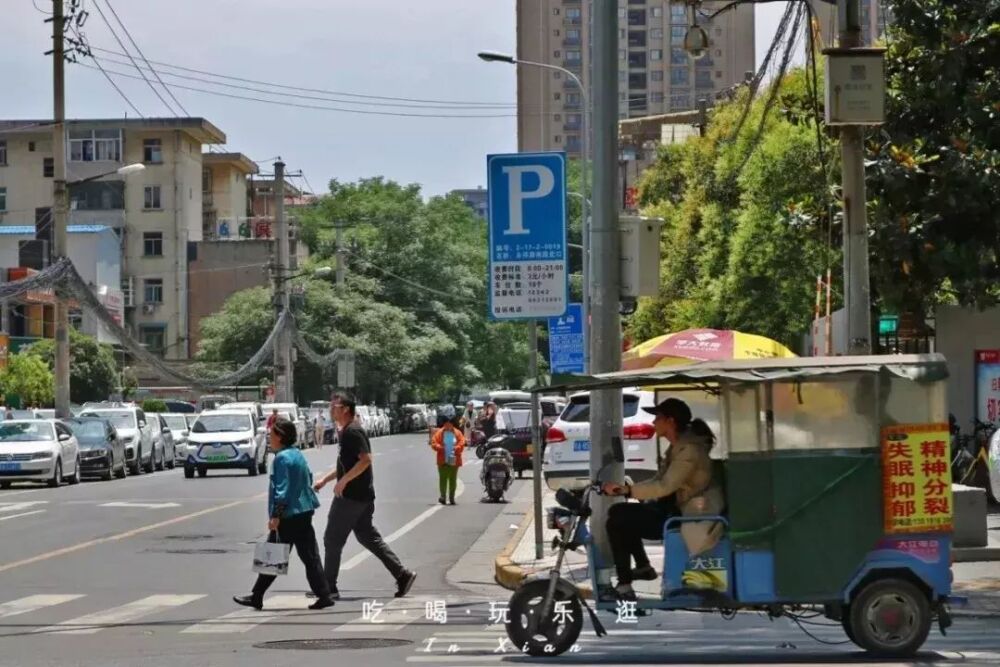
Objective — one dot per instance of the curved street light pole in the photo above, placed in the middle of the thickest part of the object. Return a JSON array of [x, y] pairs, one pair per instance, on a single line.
[[490, 56]]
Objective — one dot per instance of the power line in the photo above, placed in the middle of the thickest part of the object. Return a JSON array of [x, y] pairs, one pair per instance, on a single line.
[[114, 34], [285, 103]]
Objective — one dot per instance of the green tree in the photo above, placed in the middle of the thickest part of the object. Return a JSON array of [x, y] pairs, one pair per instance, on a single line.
[[154, 405], [28, 377], [93, 373]]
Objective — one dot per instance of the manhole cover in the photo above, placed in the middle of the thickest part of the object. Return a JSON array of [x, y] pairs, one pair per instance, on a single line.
[[333, 644]]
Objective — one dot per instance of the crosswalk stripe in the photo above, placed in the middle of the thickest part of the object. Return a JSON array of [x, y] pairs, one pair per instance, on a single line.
[[33, 603], [395, 615], [94, 623], [244, 620]]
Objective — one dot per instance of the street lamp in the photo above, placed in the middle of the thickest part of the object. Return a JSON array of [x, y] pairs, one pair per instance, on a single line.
[[318, 272], [127, 170], [496, 57]]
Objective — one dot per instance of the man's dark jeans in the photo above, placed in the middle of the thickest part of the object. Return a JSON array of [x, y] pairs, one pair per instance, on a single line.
[[630, 523], [348, 515], [297, 530]]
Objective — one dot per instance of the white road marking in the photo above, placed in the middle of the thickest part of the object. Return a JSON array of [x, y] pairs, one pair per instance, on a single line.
[[14, 507], [393, 616], [33, 603], [94, 623], [357, 559], [436, 656], [151, 506], [15, 516], [244, 620]]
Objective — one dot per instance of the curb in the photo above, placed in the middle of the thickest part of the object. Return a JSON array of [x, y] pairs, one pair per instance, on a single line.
[[507, 573], [976, 554]]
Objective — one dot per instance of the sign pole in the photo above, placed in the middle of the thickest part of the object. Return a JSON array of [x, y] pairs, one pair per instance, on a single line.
[[536, 442]]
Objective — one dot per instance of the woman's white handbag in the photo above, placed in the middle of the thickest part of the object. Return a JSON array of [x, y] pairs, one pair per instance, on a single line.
[[271, 557]]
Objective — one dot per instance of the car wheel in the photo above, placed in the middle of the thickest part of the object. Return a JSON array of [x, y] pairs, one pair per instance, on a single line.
[[202, 472], [172, 461], [262, 468], [109, 474], [188, 472], [159, 462], [252, 469], [57, 477], [75, 477], [4, 485]]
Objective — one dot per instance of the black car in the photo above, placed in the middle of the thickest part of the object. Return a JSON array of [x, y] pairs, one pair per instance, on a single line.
[[102, 452]]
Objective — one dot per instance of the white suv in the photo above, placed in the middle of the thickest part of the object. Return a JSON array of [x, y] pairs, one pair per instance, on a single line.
[[567, 444], [225, 439]]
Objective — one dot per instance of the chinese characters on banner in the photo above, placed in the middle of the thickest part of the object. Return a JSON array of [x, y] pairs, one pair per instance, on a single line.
[[916, 477], [988, 386]]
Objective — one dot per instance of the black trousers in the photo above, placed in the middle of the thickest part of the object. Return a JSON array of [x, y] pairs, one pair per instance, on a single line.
[[297, 530], [347, 516], [629, 524]]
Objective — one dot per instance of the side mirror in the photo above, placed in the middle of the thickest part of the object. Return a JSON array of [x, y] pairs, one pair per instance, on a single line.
[[64, 437], [142, 424], [185, 433], [166, 429]]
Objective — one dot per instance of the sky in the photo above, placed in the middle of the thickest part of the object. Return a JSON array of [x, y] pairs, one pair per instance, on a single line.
[[423, 50]]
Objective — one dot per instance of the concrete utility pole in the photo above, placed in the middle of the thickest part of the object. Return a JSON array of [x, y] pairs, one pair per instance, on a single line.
[[60, 205], [536, 441], [857, 289], [340, 253], [605, 339], [284, 376]]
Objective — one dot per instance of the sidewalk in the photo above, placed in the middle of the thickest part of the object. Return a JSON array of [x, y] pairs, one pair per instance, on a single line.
[[976, 571]]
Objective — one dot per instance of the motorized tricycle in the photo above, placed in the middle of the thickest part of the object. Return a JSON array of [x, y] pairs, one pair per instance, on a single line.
[[838, 503]]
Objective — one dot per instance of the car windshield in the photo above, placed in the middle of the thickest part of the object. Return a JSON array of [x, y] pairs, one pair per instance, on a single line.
[[176, 422], [88, 430], [222, 424], [22, 414], [190, 419], [121, 419], [26, 432], [578, 409], [45, 414]]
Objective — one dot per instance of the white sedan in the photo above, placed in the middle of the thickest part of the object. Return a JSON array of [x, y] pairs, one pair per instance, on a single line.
[[38, 451]]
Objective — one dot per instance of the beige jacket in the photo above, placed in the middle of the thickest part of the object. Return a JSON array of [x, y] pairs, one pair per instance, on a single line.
[[686, 472]]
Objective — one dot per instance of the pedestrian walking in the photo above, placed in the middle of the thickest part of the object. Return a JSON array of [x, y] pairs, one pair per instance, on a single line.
[[318, 429], [291, 502], [468, 421], [353, 507], [488, 420], [449, 443], [271, 418]]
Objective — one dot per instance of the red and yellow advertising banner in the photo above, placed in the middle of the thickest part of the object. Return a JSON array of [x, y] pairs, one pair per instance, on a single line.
[[916, 477]]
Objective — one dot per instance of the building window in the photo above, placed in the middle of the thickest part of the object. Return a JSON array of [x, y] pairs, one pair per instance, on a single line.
[[718, 53], [557, 117], [657, 12], [557, 75], [656, 98], [677, 33], [555, 12], [152, 151], [48, 167], [95, 146], [557, 96], [3, 153], [557, 138], [98, 196], [621, 54], [703, 78], [573, 56], [679, 76], [557, 54], [637, 17], [573, 13], [678, 56], [556, 32], [3, 199], [678, 14], [656, 54], [151, 198], [573, 98], [31, 146], [680, 101], [152, 290], [656, 33], [718, 74], [573, 33], [153, 337], [621, 12], [152, 244], [656, 75]]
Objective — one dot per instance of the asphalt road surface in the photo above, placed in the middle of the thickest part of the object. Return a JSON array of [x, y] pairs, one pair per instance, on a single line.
[[141, 572]]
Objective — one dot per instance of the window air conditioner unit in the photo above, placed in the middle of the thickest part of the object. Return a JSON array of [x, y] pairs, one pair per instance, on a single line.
[[148, 308]]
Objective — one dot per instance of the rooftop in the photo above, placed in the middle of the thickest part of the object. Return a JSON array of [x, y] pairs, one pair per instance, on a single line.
[[199, 128], [238, 160]]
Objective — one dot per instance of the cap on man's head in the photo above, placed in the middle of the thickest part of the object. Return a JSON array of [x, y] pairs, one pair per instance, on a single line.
[[674, 408]]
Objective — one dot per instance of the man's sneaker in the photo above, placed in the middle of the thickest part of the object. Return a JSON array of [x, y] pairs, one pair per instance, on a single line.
[[322, 603], [249, 601], [645, 573], [334, 594], [405, 583]]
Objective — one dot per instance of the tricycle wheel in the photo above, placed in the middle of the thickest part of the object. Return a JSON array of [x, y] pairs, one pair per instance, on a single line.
[[890, 618], [543, 637]]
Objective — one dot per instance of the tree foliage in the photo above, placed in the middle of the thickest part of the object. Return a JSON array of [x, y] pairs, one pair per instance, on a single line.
[[93, 372], [28, 377], [154, 405]]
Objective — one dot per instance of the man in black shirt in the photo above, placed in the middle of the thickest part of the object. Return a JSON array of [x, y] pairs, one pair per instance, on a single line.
[[353, 505]]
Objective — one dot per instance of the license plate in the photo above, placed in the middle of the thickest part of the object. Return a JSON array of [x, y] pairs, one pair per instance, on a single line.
[[216, 458], [10, 466], [581, 445], [498, 475]]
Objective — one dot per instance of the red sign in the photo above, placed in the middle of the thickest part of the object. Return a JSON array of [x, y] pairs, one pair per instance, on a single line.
[[916, 478], [631, 198]]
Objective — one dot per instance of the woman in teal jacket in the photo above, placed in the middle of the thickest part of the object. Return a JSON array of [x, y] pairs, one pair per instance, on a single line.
[[291, 502]]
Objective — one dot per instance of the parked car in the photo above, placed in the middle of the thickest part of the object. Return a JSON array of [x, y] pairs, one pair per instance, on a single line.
[[102, 452], [211, 401], [289, 411], [567, 444], [22, 414], [253, 406], [225, 439], [135, 431], [502, 398], [38, 450], [176, 405], [163, 440], [366, 419], [45, 413], [179, 430]]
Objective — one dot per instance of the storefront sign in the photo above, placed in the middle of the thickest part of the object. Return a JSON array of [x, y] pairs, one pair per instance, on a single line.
[[988, 386], [916, 475]]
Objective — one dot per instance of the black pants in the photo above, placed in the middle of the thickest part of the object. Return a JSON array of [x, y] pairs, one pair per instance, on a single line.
[[297, 530], [348, 515], [628, 525]]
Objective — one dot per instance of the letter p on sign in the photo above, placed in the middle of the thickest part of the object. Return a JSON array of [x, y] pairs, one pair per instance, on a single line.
[[516, 193]]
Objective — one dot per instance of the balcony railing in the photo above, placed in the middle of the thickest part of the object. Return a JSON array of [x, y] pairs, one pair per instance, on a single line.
[[572, 41], [572, 105], [572, 127], [573, 64], [572, 20]]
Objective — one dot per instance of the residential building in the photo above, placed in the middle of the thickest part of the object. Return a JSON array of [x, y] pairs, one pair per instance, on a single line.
[[155, 213], [225, 194], [875, 16], [477, 199], [655, 75], [95, 252], [263, 205]]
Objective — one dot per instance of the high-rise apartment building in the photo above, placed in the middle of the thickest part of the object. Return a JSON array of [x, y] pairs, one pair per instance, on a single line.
[[655, 75], [875, 16]]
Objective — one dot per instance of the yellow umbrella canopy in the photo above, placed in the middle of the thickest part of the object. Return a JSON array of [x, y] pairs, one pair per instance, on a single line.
[[702, 345]]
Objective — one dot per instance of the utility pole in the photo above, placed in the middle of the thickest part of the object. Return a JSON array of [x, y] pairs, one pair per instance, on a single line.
[[284, 390], [536, 441], [340, 253], [605, 339], [702, 116], [60, 205], [857, 289]]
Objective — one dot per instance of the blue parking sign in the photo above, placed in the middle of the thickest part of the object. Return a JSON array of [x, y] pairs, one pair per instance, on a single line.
[[528, 255], [566, 341]]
